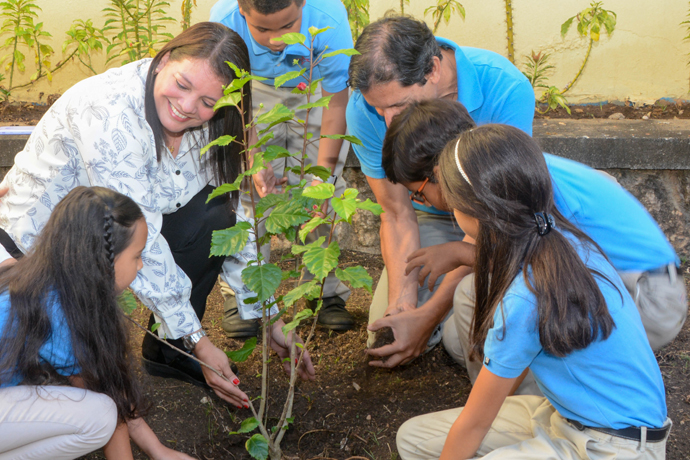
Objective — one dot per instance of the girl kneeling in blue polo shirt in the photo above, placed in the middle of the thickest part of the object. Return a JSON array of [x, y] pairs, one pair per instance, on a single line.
[[547, 300]]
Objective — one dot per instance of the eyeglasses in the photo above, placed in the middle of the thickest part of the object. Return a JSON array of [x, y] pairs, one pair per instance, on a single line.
[[418, 196]]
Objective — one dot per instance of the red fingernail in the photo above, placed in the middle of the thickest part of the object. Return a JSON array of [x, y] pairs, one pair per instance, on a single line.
[[246, 406], [236, 381], [245, 400], [239, 407]]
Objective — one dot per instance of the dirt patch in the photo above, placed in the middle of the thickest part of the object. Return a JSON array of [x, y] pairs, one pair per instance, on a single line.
[[28, 113], [350, 410]]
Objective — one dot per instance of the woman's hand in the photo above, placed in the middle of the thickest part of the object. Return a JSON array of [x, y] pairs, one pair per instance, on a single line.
[[146, 439], [281, 346], [440, 259], [266, 182], [227, 390]]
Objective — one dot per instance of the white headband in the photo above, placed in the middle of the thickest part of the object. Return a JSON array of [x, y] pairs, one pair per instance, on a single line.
[[457, 162]]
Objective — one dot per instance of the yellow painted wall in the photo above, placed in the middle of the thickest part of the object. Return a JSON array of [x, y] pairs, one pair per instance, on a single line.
[[645, 59]]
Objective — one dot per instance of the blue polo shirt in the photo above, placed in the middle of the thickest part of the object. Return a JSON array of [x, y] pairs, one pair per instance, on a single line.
[[269, 64], [612, 383], [610, 215], [56, 350], [490, 87]]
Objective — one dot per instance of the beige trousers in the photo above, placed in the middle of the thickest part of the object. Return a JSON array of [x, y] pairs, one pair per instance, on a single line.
[[53, 422], [526, 427], [289, 135]]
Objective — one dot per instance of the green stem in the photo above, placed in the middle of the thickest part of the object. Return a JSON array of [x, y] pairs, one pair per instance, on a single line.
[[57, 67], [509, 24], [582, 67]]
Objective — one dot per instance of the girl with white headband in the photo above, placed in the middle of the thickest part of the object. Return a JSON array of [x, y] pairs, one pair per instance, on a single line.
[[549, 301]]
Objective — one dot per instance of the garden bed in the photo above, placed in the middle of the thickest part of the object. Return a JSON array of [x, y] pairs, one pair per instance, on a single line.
[[350, 410]]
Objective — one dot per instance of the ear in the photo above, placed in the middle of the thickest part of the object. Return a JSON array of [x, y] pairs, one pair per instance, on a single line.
[[437, 172], [435, 75], [162, 62]]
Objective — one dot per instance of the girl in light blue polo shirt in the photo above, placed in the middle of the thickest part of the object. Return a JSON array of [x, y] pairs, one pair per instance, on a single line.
[[547, 300]]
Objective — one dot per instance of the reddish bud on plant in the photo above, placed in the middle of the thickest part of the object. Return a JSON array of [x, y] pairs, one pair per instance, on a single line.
[[302, 86]]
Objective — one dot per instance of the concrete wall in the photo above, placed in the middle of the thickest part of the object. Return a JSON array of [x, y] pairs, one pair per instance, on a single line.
[[644, 60]]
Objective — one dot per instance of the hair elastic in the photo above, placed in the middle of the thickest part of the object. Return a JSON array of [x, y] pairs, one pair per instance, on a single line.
[[544, 222], [457, 162]]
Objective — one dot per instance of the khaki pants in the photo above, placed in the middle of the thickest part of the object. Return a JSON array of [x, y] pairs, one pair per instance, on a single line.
[[433, 229], [289, 135], [55, 422], [526, 427]]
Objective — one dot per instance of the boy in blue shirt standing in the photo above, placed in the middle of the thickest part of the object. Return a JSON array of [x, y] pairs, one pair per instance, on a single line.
[[258, 22]]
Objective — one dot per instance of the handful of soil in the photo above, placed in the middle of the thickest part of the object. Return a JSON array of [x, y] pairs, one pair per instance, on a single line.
[[382, 337]]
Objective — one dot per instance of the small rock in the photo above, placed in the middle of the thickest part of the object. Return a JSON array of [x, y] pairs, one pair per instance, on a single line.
[[368, 417], [680, 112], [205, 400], [616, 116], [646, 117], [357, 387]]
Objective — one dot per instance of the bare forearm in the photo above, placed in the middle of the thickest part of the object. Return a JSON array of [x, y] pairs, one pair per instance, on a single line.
[[441, 301], [399, 239], [119, 448]]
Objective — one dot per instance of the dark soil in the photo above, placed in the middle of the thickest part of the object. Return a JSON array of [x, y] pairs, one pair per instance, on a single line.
[[27, 113], [350, 410]]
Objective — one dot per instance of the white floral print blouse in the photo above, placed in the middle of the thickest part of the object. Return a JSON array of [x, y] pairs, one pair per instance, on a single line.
[[97, 134]]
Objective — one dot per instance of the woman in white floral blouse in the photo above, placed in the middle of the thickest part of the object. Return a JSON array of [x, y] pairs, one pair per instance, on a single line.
[[138, 130]]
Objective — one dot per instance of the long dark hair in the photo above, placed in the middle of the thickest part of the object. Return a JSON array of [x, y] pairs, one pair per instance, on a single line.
[[72, 262], [510, 182], [394, 48], [216, 44], [417, 135]]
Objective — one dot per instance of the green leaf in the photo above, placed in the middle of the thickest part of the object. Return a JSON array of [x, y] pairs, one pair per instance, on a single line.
[[356, 276], [249, 424], [346, 52], [241, 355], [232, 99], [238, 72], [290, 234], [274, 152], [344, 207], [370, 206], [281, 80], [222, 141], [323, 102], [566, 26], [291, 39], [321, 172], [257, 446], [155, 327], [302, 315], [264, 139], [299, 249], [350, 193], [231, 240], [310, 290], [319, 192], [286, 215], [262, 279], [346, 137], [127, 302], [320, 261], [313, 31], [310, 226], [277, 114], [225, 188], [269, 201]]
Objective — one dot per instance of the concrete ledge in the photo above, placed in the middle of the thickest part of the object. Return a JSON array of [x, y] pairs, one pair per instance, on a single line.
[[608, 144]]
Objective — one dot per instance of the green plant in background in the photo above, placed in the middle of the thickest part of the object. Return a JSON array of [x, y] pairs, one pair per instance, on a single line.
[[187, 6], [537, 65], [84, 39], [509, 31], [591, 22], [137, 28], [443, 11], [291, 215], [402, 5], [358, 15], [19, 23]]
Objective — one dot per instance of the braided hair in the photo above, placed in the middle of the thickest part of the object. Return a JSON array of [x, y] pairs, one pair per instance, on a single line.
[[72, 262]]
